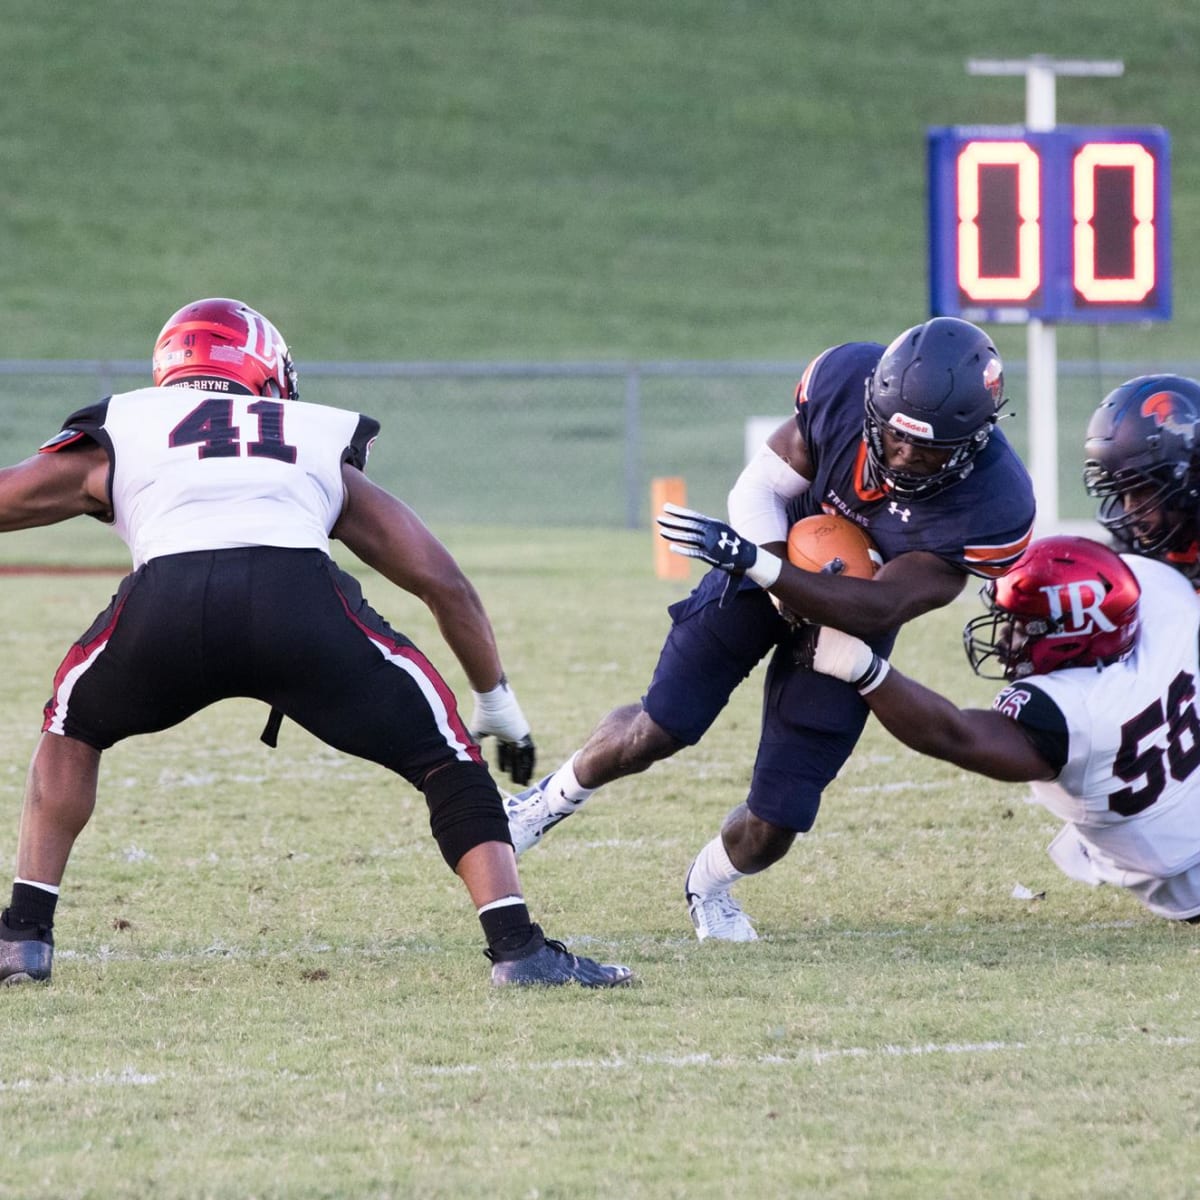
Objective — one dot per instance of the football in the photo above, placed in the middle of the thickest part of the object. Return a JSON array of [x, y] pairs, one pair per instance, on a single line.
[[820, 543]]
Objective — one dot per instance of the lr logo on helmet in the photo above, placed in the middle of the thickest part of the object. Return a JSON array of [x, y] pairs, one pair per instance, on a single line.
[[1076, 607]]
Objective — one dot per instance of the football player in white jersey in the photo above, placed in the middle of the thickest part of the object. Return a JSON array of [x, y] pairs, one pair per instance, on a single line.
[[227, 490], [1099, 712]]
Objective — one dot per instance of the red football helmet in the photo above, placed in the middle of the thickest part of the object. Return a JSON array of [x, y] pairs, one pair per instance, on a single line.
[[224, 345], [1066, 602]]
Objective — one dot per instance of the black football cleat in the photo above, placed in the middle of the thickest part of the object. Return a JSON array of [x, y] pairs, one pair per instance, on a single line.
[[25, 961], [543, 962]]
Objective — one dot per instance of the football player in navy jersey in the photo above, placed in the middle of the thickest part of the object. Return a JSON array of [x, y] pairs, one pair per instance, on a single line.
[[901, 440], [227, 490], [1143, 465], [1099, 711]]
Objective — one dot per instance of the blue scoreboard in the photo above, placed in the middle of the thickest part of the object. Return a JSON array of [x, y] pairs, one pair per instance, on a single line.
[[1069, 224]]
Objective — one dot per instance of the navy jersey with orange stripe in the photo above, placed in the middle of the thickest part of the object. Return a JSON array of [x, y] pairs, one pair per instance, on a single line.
[[980, 524]]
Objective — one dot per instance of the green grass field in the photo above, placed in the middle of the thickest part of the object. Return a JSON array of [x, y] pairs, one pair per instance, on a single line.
[[268, 984]]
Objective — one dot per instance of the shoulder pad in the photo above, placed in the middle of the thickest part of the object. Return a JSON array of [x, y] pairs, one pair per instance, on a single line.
[[80, 426], [359, 450], [61, 440]]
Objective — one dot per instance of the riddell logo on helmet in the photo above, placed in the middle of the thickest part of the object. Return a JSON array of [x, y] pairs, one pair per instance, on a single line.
[[910, 425], [1077, 606], [993, 378]]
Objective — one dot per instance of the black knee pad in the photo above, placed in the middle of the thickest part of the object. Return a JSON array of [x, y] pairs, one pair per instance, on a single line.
[[465, 810]]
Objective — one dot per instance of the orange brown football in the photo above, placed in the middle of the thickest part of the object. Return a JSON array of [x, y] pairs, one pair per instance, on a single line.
[[820, 543]]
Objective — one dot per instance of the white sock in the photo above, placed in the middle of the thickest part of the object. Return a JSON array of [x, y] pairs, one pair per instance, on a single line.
[[564, 792], [712, 871]]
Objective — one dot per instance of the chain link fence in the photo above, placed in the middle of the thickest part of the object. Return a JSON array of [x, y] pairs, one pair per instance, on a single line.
[[565, 444]]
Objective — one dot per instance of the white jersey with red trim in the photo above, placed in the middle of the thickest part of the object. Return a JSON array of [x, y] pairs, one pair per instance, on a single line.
[[1130, 788], [193, 470]]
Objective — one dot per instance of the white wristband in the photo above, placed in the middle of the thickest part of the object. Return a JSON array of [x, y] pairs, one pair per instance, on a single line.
[[766, 569], [497, 712], [877, 672]]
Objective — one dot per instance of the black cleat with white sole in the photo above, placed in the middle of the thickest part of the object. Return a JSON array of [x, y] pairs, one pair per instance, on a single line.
[[543, 962], [25, 959]]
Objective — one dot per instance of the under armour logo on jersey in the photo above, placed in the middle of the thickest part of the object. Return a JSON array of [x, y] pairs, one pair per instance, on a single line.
[[729, 541], [896, 511]]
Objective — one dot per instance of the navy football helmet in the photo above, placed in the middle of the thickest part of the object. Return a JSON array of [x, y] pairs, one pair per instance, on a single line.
[[224, 345], [1143, 440], [938, 385], [1066, 602]]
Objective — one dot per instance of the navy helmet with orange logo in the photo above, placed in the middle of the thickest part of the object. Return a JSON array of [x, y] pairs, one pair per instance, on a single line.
[[1143, 462], [939, 385]]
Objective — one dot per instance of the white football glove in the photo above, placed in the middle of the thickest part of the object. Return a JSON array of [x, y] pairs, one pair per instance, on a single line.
[[498, 714], [849, 659]]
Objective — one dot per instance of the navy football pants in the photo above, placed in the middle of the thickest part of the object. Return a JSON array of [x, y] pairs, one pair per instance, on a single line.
[[810, 722]]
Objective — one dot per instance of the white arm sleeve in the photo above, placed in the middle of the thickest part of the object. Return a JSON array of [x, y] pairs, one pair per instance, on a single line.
[[758, 500]]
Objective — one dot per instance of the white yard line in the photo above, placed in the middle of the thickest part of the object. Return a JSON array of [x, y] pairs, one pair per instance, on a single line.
[[807, 1058], [129, 1076]]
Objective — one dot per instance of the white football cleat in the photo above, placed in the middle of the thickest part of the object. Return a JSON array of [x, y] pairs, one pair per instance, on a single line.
[[717, 916], [529, 816]]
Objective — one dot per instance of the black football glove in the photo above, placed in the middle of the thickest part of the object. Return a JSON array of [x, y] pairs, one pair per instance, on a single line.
[[518, 759], [697, 536], [498, 714], [804, 644]]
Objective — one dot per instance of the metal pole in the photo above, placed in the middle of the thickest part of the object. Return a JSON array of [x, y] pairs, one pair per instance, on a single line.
[[633, 447], [1041, 338]]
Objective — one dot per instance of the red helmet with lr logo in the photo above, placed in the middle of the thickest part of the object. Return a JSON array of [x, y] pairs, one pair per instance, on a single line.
[[1067, 602], [224, 345]]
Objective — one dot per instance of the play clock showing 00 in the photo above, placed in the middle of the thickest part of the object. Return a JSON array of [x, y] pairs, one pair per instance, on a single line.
[[1070, 224]]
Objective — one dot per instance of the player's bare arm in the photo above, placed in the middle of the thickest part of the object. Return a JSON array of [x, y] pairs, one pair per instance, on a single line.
[[47, 488], [976, 739], [903, 588], [388, 536], [985, 741], [788, 443]]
